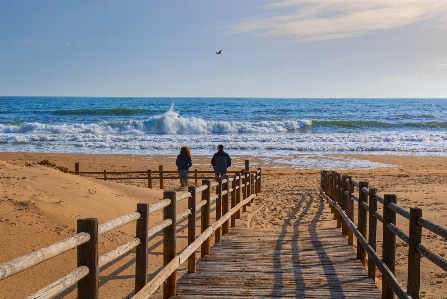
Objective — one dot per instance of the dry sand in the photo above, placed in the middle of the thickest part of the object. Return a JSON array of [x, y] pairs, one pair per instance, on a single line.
[[40, 206]]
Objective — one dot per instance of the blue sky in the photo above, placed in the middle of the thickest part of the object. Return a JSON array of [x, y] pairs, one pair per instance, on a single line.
[[165, 48]]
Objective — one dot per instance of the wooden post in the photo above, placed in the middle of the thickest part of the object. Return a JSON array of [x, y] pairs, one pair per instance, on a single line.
[[238, 193], [247, 165], [233, 201], [338, 198], [389, 243], [372, 231], [260, 181], [252, 185], [362, 219], [160, 171], [344, 227], [77, 168], [169, 244], [244, 190], [149, 178], [141, 250], [350, 210], [192, 227], [196, 177], [105, 175], [88, 287], [206, 194], [414, 257], [248, 185], [217, 232], [332, 193], [225, 201]]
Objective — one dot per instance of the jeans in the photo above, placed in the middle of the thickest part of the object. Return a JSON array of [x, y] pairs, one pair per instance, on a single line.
[[183, 174]]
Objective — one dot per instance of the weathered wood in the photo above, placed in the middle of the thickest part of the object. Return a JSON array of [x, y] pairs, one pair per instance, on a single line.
[[249, 264], [244, 189], [350, 210], [117, 252], [247, 165], [196, 177], [159, 205], [160, 174], [77, 168], [248, 185], [33, 258], [233, 200], [338, 197], [149, 178], [344, 205], [389, 244], [88, 286], [169, 243], [183, 196], [141, 251], [414, 257], [432, 256], [105, 175], [237, 215], [387, 274], [433, 227], [219, 190], [60, 285], [362, 220], [192, 227], [158, 227], [164, 275], [205, 213], [225, 203], [260, 181], [117, 222], [183, 214]]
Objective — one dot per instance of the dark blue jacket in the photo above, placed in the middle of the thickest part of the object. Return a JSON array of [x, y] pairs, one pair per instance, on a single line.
[[183, 162], [221, 161]]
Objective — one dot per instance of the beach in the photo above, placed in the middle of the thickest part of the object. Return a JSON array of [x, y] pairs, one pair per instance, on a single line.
[[40, 205]]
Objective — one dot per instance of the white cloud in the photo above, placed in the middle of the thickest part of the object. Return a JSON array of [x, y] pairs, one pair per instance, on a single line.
[[313, 20]]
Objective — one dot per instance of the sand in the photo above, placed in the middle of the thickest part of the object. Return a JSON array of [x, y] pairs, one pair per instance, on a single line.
[[40, 205]]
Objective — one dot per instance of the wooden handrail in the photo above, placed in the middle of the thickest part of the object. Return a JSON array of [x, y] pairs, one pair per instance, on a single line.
[[390, 284], [87, 275], [166, 174]]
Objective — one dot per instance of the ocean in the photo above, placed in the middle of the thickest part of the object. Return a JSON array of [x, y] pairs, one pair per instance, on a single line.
[[270, 127]]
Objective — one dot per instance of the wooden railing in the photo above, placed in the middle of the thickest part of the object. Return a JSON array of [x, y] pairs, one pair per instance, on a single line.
[[237, 191], [151, 175], [339, 191]]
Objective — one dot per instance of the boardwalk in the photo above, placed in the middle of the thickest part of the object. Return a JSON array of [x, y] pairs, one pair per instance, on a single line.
[[292, 249], [305, 260]]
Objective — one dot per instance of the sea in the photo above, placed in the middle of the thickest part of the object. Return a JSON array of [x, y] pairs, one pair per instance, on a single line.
[[279, 129]]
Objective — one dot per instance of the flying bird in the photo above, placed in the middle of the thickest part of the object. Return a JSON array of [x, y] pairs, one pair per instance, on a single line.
[[219, 52]]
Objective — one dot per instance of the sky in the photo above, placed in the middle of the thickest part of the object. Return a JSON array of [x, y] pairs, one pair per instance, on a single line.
[[273, 49]]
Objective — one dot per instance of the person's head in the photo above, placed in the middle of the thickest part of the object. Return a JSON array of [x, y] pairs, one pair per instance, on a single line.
[[185, 151], [220, 147]]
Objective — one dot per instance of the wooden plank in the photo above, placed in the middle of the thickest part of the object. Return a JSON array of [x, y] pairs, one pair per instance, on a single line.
[[269, 264]]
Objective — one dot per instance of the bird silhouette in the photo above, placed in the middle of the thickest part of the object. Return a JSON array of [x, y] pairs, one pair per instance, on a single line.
[[219, 52]]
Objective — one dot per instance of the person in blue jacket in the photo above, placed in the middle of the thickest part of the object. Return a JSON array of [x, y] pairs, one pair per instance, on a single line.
[[220, 161], [183, 163]]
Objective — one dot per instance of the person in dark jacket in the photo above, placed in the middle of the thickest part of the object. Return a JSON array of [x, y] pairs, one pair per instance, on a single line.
[[183, 163], [220, 161]]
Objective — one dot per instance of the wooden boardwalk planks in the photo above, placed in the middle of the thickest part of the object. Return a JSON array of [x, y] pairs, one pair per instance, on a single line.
[[273, 264]]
